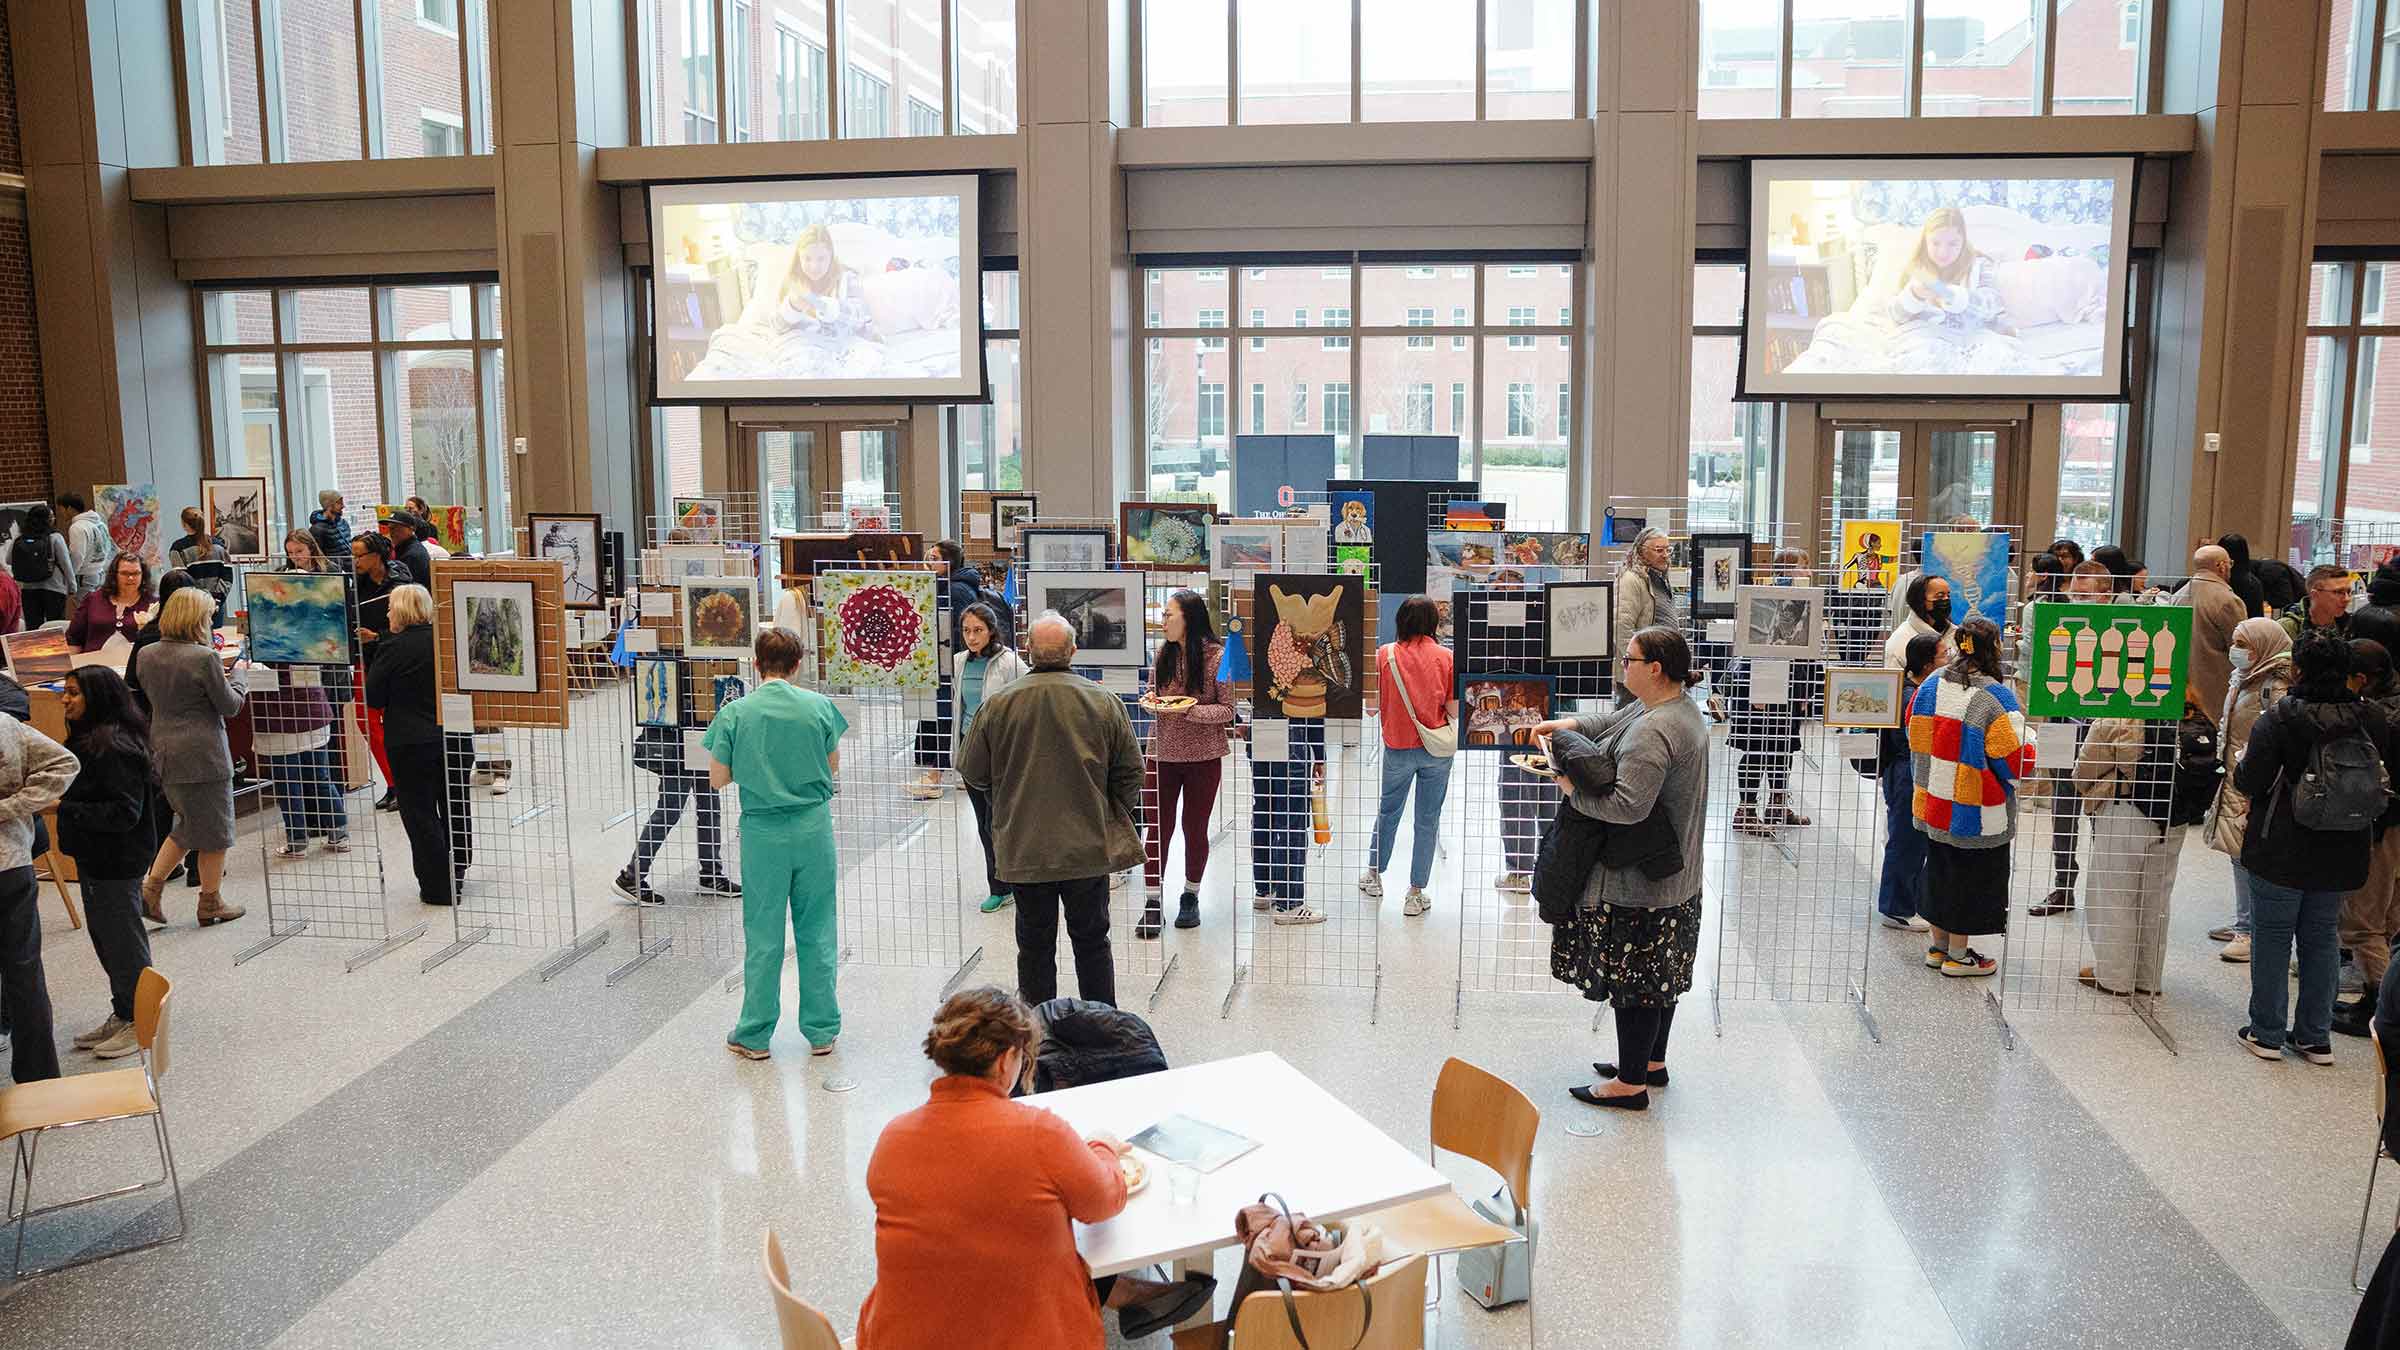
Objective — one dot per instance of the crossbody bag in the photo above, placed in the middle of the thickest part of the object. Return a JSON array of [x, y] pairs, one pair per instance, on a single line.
[[1440, 742]]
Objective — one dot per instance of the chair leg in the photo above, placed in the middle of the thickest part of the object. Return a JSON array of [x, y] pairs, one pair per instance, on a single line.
[[27, 1150], [166, 1151], [2358, 1254]]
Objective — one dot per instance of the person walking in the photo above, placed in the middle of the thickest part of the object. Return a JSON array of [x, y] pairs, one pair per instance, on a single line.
[[782, 745], [1635, 932], [1186, 764], [191, 695], [44, 573], [2260, 658], [2216, 612], [106, 824], [1060, 760], [429, 765], [1969, 748], [35, 772], [2299, 871], [115, 608], [983, 666], [88, 544], [1900, 889], [659, 750], [1416, 676]]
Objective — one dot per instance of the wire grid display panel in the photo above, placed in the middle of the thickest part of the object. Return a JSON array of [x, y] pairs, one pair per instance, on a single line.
[[2358, 544], [689, 829], [600, 702], [834, 508], [1498, 809], [325, 893], [738, 521], [901, 888], [2108, 857], [1310, 833]]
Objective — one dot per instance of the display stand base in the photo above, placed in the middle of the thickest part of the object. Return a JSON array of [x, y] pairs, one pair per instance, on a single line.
[[2008, 1034], [643, 954], [2145, 1007], [1225, 1009], [277, 934], [956, 976], [386, 947], [582, 947], [467, 937], [1866, 1017], [1160, 988]]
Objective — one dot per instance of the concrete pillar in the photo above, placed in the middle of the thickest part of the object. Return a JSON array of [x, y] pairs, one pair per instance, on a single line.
[[560, 93], [96, 79]]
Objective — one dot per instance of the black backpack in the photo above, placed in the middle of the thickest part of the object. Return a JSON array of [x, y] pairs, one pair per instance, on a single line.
[[29, 558], [2344, 786], [1007, 636], [2198, 767]]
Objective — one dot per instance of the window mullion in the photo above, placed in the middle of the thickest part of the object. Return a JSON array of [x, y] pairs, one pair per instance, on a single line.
[[1475, 378], [266, 35], [369, 18], [1912, 56], [2045, 57]]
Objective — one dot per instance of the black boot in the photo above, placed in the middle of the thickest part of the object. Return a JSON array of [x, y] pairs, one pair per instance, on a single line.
[[1188, 914], [2356, 1019], [1153, 918]]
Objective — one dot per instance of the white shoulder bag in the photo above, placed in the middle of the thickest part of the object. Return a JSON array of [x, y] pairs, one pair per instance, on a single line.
[[1440, 742]]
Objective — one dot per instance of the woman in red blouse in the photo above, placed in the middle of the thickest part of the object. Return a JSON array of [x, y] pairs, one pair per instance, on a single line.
[[1186, 763]]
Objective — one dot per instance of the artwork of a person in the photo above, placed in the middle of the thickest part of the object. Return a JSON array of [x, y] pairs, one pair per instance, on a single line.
[[1868, 564], [559, 544]]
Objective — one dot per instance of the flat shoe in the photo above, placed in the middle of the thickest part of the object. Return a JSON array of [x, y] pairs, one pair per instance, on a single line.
[[742, 1051], [1631, 1101], [1658, 1077], [1167, 1309]]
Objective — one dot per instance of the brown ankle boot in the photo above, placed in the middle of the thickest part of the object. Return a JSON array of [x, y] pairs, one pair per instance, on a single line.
[[154, 894], [213, 909]]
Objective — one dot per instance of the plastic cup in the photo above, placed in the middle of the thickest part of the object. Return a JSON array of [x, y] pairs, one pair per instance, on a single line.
[[1183, 1185]]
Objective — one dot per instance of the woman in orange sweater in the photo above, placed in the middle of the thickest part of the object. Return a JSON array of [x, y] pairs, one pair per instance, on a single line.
[[973, 1193]]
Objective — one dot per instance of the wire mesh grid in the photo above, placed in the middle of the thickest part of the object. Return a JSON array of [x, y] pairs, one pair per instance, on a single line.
[[600, 695], [900, 890], [727, 518], [850, 510], [321, 854], [684, 857]]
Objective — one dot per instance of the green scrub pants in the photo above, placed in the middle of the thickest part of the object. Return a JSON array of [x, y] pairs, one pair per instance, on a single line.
[[788, 864]]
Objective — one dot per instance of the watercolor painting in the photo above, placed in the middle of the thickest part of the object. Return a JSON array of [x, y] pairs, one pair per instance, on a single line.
[[1862, 698], [1975, 563], [131, 512], [879, 629], [1246, 546], [299, 618], [1474, 515], [38, 657], [657, 691]]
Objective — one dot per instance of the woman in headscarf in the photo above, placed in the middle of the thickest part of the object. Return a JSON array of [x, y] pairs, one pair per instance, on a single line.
[[1928, 616], [2244, 581], [1644, 597], [2262, 674]]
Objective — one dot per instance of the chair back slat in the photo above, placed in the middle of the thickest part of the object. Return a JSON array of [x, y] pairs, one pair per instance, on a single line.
[[803, 1327], [1483, 1116], [150, 1018], [1337, 1316]]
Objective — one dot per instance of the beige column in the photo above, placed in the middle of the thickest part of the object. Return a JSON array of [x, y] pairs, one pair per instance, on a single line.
[[559, 94], [97, 81], [1077, 275]]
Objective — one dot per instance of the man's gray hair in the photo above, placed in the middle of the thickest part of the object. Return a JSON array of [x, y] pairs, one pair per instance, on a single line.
[[1050, 641]]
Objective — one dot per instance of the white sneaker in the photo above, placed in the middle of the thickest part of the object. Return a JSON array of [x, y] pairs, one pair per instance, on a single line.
[[1520, 882], [118, 1046], [1416, 903], [1261, 903], [1303, 914], [1911, 924], [1370, 884], [107, 1028], [499, 784]]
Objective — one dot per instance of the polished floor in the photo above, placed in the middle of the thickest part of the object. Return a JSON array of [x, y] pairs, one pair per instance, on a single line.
[[474, 1156]]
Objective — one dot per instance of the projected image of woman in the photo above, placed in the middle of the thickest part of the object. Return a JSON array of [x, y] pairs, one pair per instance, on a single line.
[[820, 296], [1947, 285]]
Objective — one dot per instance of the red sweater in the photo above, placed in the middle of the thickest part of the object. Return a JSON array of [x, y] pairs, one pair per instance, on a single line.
[[1426, 663], [973, 1193]]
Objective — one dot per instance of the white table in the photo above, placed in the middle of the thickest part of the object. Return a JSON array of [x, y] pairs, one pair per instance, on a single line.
[[1321, 1156]]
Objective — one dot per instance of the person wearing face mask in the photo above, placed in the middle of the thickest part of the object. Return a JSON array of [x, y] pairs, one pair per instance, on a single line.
[[1900, 887], [2260, 657], [1928, 616], [1765, 736]]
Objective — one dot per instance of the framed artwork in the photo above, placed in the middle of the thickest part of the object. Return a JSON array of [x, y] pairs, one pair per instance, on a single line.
[[879, 630], [1353, 518], [236, 511], [868, 516], [1105, 607], [1309, 653], [1304, 542], [1779, 622], [300, 618], [1353, 560], [493, 624], [1473, 515], [131, 513], [1720, 569], [449, 524], [1547, 550], [1245, 546], [1081, 547], [1975, 563], [1863, 698], [720, 616], [12, 519], [1579, 619], [38, 657], [698, 520], [574, 541], [2103, 660], [657, 691], [1618, 529], [1166, 534], [1501, 711], [1870, 556], [1011, 513]]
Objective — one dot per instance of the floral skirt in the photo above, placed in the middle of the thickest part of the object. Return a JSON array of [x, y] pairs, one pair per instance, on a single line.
[[1636, 958]]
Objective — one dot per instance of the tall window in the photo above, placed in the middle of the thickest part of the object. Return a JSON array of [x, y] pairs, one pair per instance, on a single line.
[[1337, 407], [990, 435], [1732, 461], [2362, 67], [2348, 455], [1969, 58], [1520, 410], [777, 80], [1212, 409], [799, 87], [867, 106], [699, 74], [290, 80]]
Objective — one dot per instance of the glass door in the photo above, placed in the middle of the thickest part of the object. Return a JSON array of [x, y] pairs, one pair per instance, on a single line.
[[787, 467], [1959, 474], [1947, 471], [805, 470], [1866, 471], [870, 463]]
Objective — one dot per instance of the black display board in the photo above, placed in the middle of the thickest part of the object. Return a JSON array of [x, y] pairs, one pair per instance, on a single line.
[[1404, 512]]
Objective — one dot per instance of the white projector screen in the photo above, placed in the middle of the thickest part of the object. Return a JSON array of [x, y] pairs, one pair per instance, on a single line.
[[853, 288], [1937, 278]]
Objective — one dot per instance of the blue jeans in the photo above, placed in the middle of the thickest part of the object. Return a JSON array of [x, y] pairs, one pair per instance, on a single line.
[[1903, 881], [2243, 907], [2285, 918], [311, 800], [1431, 774], [1280, 824]]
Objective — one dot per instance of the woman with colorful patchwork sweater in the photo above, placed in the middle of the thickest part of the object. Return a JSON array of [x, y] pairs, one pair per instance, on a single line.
[[1968, 748]]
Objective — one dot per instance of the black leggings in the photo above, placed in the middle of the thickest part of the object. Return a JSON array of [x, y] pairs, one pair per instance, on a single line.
[[1636, 1028]]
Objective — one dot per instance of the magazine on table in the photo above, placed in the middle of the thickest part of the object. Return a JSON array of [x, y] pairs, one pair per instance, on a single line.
[[1194, 1143]]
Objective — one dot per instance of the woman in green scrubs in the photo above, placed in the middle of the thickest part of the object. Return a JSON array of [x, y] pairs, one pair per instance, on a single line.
[[781, 745]]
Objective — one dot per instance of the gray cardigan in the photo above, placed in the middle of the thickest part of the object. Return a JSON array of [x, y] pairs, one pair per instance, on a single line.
[[1662, 756], [35, 772], [190, 698]]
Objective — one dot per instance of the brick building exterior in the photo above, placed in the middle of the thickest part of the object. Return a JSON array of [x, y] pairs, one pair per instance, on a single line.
[[24, 432]]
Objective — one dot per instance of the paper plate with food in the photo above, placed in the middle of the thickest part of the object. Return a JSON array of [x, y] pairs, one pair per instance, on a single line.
[[1168, 703], [1533, 763], [1136, 1172]]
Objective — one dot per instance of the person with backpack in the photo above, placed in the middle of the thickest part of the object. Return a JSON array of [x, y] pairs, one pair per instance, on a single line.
[[962, 586], [2318, 772], [2372, 912], [39, 562], [2126, 775], [1901, 887]]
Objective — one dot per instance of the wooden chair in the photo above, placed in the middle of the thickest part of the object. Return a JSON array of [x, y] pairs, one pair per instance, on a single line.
[[1337, 1317], [56, 868], [30, 1110], [2358, 1254], [803, 1327], [1481, 1116]]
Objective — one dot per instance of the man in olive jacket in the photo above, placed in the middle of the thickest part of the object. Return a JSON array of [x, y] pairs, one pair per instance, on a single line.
[[1058, 756]]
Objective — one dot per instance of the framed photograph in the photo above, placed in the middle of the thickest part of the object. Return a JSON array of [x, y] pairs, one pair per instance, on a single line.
[[1579, 619], [1105, 607], [720, 616], [38, 657], [1308, 646], [300, 618], [1011, 512], [698, 520], [1245, 546], [1975, 563], [871, 516], [879, 630], [1077, 547], [236, 510], [573, 540], [1863, 698], [2103, 660], [1870, 556], [657, 691], [1501, 711], [1166, 534], [1720, 569], [494, 626], [1779, 622]]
